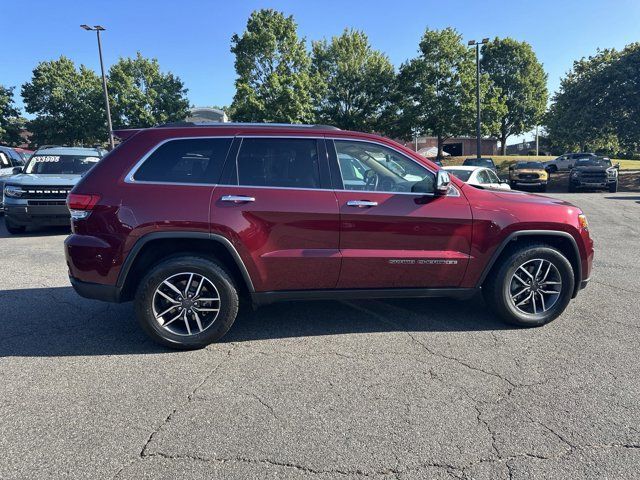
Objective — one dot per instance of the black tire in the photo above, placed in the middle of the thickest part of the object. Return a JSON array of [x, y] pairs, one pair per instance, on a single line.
[[572, 188], [497, 291], [613, 188], [543, 188], [512, 185], [224, 285], [12, 228]]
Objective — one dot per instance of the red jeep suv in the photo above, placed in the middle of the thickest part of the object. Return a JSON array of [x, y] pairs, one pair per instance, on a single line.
[[184, 219]]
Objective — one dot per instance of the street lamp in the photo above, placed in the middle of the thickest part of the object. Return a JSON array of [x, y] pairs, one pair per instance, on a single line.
[[98, 29], [477, 45]]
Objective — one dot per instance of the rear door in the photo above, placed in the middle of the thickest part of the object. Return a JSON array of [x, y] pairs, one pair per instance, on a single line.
[[276, 204], [394, 232]]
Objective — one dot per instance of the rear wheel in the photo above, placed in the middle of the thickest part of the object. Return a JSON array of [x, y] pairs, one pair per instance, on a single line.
[[572, 188], [12, 228], [531, 286], [613, 188], [186, 302]]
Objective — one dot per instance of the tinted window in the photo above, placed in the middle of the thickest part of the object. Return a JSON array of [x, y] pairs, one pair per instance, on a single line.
[[483, 177], [186, 161], [530, 165], [279, 162], [373, 167], [493, 178], [478, 162], [61, 164]]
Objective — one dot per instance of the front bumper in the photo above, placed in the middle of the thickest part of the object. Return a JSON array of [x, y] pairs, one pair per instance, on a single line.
[[38, 212]]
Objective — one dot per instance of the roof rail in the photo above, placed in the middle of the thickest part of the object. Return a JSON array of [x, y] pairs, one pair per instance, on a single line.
[[242, 124]]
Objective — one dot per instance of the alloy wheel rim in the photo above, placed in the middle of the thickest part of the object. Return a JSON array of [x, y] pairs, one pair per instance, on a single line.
[[186, 303], [535, 287]]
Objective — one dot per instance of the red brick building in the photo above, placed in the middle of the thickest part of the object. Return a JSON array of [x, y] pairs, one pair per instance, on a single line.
[[457, 146]]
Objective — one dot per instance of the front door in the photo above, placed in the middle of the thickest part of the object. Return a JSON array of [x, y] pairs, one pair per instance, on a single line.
[[278, 208], [394, 232]]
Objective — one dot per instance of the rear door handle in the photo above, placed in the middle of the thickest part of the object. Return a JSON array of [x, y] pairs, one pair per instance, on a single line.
[[361, 203], [237, 198]]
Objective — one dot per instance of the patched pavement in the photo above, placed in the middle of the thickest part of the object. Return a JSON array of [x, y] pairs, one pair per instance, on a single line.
[[407, 389]]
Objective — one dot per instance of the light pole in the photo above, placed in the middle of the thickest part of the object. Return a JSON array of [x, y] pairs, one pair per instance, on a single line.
[[98, 29], [477, 45]]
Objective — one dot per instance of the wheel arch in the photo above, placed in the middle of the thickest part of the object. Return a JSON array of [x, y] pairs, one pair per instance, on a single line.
[[563, 241], [153, 247]]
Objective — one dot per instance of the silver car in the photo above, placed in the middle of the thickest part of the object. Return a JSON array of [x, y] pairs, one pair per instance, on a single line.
[[37, 194]]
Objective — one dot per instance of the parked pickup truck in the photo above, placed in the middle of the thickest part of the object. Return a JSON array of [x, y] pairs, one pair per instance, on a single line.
[[596, 173]]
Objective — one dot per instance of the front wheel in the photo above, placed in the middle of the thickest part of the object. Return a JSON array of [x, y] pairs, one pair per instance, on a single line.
[[613, 188], [531, 286], [186, 302]]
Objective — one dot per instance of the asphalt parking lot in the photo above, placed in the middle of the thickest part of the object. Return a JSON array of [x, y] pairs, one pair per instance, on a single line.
[[365, 389]]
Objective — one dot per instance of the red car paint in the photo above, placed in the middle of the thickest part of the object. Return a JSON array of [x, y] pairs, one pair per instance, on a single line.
[[308, 239]]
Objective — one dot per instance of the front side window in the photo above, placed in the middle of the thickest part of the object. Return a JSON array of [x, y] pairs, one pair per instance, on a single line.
[[43, 164], [197, 160], [279, 162], [493, 178], [373, 167], [4, 161]]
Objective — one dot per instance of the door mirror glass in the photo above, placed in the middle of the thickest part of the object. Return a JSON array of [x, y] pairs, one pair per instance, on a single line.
[[442, 182]]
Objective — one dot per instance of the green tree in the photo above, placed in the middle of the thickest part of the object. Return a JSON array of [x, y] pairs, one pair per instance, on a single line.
[[515, 70], [355, 82], [10, 120], [273, 67], [436, 89], [143, 96], [67, 103]]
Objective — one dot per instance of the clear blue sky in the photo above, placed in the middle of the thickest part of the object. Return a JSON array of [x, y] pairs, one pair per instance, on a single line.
[[191, 38]]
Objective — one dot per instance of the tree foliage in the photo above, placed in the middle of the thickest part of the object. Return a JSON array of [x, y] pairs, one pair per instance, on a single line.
[[10, 120], [67, 102], [598, 104], [355, 82], [143, 96], [273, 67], [515, 71], [436, 89]]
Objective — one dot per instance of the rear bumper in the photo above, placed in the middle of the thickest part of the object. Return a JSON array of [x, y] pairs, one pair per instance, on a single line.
[[96, 291]]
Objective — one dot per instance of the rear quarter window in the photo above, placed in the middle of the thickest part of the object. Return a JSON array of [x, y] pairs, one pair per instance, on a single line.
[[185, 161]]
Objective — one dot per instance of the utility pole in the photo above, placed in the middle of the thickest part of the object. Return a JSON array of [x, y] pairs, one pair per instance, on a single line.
[[478, 120], [98, 29]]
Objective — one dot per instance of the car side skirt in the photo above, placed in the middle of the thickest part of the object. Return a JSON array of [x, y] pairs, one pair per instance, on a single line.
[[264, 298]]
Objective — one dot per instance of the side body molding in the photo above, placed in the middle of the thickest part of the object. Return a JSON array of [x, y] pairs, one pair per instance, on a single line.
[[142, 241]]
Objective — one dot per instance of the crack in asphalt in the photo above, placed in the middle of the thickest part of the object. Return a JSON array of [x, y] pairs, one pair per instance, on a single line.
[[190, 395]]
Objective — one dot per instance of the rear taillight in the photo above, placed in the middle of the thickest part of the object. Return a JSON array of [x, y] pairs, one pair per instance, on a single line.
[[80, 205]]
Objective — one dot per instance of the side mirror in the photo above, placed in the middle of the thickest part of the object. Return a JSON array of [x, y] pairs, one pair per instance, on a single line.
[[442, 182], [16, 170]]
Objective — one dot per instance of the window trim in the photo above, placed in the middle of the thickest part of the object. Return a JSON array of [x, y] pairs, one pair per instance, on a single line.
[[130, 177]]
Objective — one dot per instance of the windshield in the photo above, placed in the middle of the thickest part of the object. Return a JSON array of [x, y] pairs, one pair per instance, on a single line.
[[479, 162], [592, 162], [61, 164], [461, 174], [532, 165]]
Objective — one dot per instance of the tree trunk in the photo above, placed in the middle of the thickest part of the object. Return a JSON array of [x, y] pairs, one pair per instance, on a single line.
[[503, 143], [440, 144]]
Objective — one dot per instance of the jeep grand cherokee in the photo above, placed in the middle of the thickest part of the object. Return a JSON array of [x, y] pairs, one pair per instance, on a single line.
[[186, 219]]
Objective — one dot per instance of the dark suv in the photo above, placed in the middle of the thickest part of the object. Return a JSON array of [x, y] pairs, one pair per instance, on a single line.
[[186, 219]]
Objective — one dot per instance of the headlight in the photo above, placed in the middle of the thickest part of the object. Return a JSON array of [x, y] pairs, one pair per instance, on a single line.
[[543, 175], [575, 174], [13, 191], [612, 172]]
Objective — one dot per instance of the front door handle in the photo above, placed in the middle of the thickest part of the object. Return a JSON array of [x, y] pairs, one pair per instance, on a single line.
[[237, 198], [361, 203]]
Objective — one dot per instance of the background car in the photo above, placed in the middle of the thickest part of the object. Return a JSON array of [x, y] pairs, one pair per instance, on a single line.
[[566, 161], [36, 195], [594, 173], [10, 158], [528, 174], [479, 176], [480, 162]]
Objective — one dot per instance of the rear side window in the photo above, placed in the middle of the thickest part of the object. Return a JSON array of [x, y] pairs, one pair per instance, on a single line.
[[279, 162], [186, 161]]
